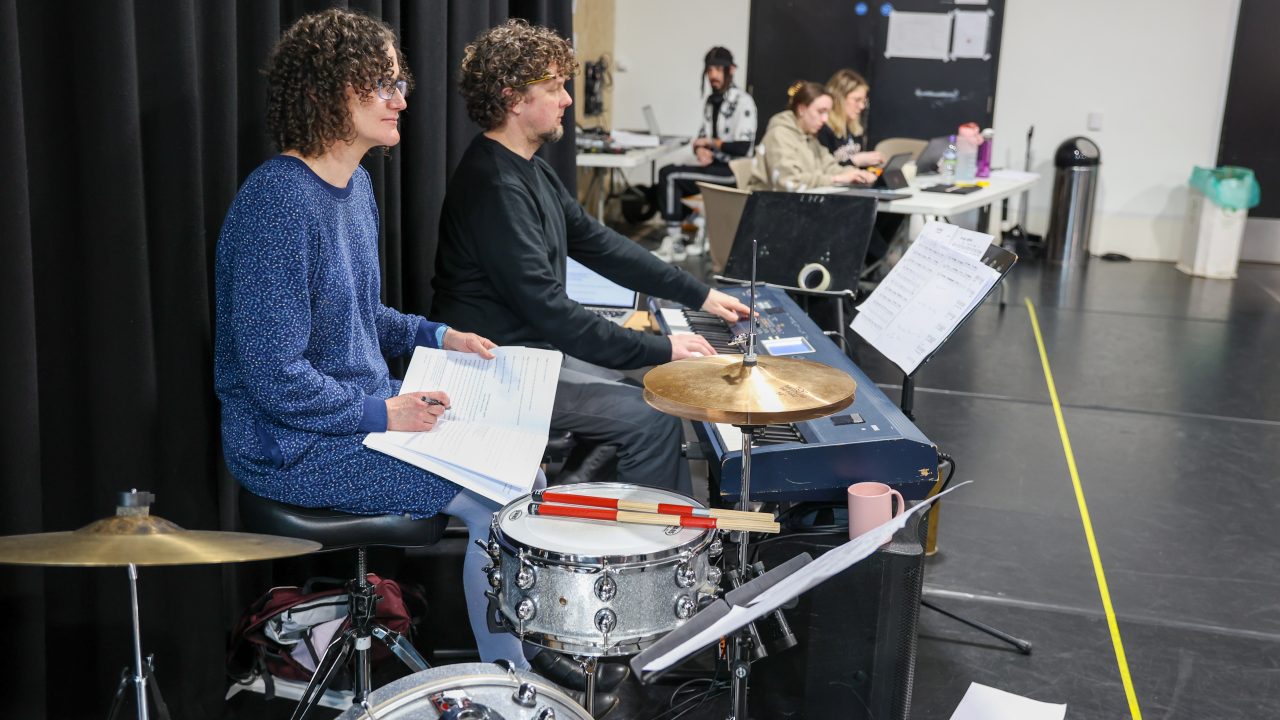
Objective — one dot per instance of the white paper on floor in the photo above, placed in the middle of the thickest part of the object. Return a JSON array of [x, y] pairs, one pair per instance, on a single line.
[[987, 703]]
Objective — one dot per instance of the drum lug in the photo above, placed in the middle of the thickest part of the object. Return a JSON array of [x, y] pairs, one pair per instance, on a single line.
[[495, 576], [546, 713], [526, 695], [684, 607], [606, 620], [525, 611], [606, 587], [686, 574], [714, 576], [526, 576], [715, 548]]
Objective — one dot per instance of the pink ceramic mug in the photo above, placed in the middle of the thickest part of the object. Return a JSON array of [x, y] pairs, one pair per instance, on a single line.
[[870, 506]]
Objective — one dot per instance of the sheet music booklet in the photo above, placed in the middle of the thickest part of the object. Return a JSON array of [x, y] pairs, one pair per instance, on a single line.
[[939, 281], [492, 437]]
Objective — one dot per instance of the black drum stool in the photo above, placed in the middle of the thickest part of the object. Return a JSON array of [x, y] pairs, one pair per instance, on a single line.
[[342, 531]]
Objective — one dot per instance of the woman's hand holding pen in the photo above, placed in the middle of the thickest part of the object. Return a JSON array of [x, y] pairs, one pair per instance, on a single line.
[[416, 411]]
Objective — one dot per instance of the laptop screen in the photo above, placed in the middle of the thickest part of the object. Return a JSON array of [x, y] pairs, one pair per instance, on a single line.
[[586, 287], [651, 120]]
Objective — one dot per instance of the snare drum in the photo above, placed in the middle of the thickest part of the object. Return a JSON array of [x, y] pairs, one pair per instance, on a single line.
[[469, 690], [596, 588]]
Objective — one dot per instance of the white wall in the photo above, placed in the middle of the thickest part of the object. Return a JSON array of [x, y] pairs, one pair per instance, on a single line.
[[1156, 69], [658, 51]]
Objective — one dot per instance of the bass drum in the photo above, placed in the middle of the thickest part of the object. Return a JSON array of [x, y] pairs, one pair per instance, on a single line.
[[469, 691]]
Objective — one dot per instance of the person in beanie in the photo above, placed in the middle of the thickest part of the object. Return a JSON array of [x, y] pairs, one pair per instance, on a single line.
[[728, 131]]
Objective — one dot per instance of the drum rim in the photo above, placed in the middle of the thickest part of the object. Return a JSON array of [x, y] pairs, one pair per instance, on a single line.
[[617, 562], [551, 641], [467, 671]]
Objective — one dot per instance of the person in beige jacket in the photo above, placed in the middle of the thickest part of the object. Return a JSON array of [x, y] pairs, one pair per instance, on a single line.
[[790, 157]]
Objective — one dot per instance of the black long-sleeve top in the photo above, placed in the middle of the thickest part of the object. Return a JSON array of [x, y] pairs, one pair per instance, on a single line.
[[507, 226]]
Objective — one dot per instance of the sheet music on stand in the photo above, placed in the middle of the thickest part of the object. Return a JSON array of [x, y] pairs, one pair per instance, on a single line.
[[938, 283]]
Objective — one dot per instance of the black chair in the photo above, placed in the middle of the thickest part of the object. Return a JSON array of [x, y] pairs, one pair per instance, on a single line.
[[343, 531]]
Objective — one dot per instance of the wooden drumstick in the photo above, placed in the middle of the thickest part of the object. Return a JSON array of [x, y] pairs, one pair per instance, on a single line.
[[644, 518], [668, 508]]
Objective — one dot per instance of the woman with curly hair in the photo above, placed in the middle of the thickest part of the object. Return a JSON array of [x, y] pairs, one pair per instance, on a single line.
[[790, 157], [843, 134], [301, 333]]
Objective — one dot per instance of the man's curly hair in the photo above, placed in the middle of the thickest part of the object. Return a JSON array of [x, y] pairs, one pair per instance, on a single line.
[[510, 55], [309, 71]]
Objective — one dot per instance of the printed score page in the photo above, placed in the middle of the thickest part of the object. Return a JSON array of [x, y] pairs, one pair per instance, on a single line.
[[931, 290], [492, 437]]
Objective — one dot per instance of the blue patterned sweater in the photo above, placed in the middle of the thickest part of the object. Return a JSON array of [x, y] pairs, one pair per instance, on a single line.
[[301, 332]]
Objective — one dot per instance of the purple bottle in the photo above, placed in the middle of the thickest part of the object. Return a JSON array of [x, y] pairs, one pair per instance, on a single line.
[[984, 153]]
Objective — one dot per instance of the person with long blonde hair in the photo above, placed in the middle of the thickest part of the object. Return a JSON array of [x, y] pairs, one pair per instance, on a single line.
[[843, 134], [790, 157]]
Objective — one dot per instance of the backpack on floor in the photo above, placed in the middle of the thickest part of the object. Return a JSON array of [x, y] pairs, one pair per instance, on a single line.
[[285, 632]]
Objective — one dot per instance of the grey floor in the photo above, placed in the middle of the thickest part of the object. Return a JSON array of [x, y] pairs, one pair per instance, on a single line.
[[1170, 387]]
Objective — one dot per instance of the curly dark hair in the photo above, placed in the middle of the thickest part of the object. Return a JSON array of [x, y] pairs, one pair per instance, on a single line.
[[511, 55], [309, 71]]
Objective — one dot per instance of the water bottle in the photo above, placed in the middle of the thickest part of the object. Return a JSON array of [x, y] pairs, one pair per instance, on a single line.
[[967, 141], [984, 153], [947, 166]]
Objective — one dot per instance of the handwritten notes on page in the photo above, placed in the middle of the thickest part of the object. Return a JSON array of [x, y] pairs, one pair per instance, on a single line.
[[492, 437], [931, 290]]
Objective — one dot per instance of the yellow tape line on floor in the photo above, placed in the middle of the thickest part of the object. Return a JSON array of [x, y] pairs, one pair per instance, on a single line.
[[1134, 711]]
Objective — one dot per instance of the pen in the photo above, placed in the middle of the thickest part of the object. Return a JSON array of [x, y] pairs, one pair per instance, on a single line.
[[431, 401]]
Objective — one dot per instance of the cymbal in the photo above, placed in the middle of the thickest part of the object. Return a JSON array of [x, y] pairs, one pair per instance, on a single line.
[[720, 388], [143, 539]]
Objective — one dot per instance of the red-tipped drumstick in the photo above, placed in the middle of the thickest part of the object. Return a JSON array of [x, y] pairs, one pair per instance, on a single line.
[[667, 508], [644, 518]]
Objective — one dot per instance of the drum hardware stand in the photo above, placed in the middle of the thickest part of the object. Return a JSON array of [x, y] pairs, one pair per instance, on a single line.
[[358, 638], [142, 672], [588, 664], [741, 645]]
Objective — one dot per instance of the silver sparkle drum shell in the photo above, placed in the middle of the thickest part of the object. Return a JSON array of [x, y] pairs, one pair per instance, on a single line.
[[596, 588], [511, 694]]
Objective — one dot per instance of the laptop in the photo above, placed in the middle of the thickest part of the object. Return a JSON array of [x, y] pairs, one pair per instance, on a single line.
[[598, 294], [890, 184], [651, 122], [931, 155]]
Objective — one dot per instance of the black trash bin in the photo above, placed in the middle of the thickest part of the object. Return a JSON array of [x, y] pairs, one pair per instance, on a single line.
[[1075, 183]]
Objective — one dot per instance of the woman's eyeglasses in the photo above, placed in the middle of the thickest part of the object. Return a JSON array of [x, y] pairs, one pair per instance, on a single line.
[[387, 88]]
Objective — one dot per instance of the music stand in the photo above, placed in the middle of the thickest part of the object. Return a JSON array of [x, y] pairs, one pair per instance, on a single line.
[[1002, 261], [807, 242]]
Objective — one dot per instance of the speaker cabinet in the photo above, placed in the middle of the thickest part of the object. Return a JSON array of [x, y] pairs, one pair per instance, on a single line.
[[857, 635]]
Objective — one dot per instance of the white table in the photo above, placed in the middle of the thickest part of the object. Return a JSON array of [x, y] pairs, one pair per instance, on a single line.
[[928, 205], [603, 166]]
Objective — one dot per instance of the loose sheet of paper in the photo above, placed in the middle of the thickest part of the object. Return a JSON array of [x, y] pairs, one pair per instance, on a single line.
[[825, 567], [919, 35], [492, 437], [987, 703], [969, 34], [928, 293]]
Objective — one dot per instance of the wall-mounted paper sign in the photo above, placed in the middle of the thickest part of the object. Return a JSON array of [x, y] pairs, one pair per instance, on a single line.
[[919, 35], [969, 34]]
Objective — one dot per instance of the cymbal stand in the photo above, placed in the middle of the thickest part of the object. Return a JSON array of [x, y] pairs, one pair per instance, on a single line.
[[142, 673], [741, 642]]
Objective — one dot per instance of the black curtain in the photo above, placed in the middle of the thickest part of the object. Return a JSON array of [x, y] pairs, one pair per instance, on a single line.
[[128, 127]]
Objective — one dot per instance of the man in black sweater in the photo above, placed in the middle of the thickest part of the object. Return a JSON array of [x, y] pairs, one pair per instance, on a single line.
[[507, 226]]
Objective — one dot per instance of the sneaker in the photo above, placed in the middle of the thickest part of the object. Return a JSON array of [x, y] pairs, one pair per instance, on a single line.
[[678, 251], [694, 248], [666, 251]]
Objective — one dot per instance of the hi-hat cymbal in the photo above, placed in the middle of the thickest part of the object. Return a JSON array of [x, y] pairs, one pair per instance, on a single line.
[[143, 539], [720, 388]]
